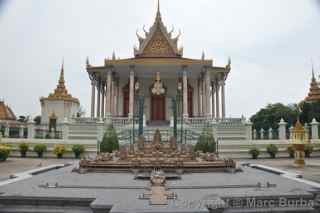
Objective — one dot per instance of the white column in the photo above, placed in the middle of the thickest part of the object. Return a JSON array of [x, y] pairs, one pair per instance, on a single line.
[[185, 93], [117, 98], [21, 131], [31, 129], [213, 99], [112, 97], [108, 99], [204, 96], [131, 92], [282, 130], [99, 98], [93, 97], [7, 131], [217, 101], [65, 129], [314, 129], [223, 99], [270, 134], [200, 97], [207, 93], [249, 130], [103, 93]]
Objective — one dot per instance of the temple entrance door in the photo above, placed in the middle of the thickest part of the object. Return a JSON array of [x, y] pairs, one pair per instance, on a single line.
[[158, 108], [190, 101]]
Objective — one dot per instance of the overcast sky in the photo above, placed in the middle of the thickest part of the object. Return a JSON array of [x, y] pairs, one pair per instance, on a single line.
[[270, 42]]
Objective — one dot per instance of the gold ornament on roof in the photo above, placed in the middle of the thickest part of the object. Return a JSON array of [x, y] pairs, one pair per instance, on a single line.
[[61, 92], [158, 88]]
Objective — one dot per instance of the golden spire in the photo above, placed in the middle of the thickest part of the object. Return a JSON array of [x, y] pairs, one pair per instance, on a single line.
[[314, 91], [61, 92], [158, 11]]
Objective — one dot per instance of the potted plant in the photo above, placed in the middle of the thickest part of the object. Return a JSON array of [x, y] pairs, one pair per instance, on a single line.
[[308, 149], [78, 150], [254, 152], [23, 149], [40, 149], [290, 150], [4, 152], [206, 142], [59, 150], [272, 150]]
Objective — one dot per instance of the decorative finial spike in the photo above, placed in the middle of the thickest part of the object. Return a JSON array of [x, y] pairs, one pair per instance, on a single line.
[[61, 78], [312, 67], [158, 17], [87, 62], [113, 55], [203, 55]]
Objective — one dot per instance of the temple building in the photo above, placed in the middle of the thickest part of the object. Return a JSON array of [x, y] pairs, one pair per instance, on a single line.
[[314, 91], [157, 72], [59, 105]]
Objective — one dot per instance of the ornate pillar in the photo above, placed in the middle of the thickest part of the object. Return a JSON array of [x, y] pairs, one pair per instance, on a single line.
[[103, 93], [200, 108], [213, 100], [217, 101], [207, 93], [99, 98], [7, 131], [112, 96], [223, 99], [131, 92], [203, 95], [108, 99], [282, 129], [314, 129], [21, 131], [185, 92], [93, 97]]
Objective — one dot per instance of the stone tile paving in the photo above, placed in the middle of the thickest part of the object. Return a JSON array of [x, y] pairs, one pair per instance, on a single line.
[[310, 172], [16, 165]]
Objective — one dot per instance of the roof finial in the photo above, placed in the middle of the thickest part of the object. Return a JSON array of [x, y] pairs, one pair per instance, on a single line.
[[87, 62], [203, 55], [113, 55], [312, 67], [158, 17], [61, 78]]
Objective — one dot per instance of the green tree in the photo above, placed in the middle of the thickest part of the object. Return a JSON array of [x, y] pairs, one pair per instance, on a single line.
[[206, 142], [309, 110], [110, 140], [270, 116]]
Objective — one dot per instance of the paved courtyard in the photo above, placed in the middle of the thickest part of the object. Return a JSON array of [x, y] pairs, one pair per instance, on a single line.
[[310, 172], [16, 165]]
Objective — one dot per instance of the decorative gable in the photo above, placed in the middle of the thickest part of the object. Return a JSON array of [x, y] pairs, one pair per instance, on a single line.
[[158, 42]]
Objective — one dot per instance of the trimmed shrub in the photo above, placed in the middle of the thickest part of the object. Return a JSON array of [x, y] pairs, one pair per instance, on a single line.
[[40, 149], [4, 152], [110, 140], [272, 150], [254, 152], [291, 151], [308, 149], [78, 150], [24, 148], [59, 150], [206, 142]]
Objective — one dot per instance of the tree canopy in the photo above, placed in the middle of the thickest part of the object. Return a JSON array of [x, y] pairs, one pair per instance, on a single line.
[[309, 111], [271, 115]]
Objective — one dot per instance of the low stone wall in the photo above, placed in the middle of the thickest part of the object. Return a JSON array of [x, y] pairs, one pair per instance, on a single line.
[[228, 149], [90, 146], [240, 149]]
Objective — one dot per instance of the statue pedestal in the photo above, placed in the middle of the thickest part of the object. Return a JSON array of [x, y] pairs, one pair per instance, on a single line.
[[299, 155]]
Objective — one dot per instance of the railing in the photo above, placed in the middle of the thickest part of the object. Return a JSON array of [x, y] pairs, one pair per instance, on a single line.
[[45, 134]]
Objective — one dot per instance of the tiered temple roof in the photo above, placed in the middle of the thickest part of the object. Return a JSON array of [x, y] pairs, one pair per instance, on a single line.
[[61, 92], [6, 114], [314, 91]]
